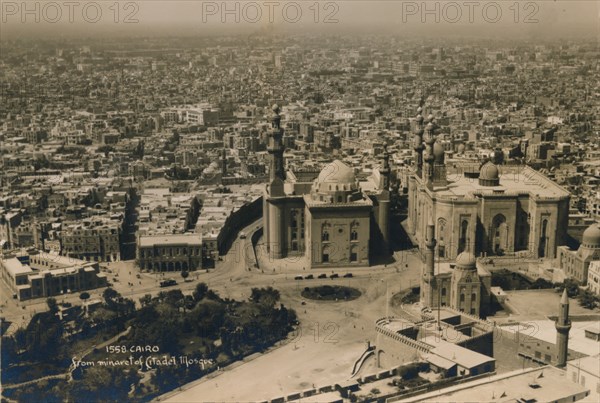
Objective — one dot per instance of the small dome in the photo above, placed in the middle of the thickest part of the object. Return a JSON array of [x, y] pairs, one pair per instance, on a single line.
[[336, 172], [419, 119], [461, 148], [275, 108], [489, 175], [419, 110], [430, 118], [466, 260], [591, 236], [438, 153]]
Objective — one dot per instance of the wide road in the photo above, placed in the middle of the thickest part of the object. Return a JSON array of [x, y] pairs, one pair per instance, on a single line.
[[331, 335]]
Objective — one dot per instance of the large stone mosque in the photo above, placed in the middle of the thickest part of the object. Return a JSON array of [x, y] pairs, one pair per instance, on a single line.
[[329, 216], [488, 212], [466, 213]]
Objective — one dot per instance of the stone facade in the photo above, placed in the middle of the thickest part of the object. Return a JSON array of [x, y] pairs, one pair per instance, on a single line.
[[493, 212], [325, 216], [170, 252]]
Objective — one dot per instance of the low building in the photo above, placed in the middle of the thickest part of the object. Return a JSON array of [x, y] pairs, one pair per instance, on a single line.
[[545, 384], [177, 252], [42, 275], [586, 372]]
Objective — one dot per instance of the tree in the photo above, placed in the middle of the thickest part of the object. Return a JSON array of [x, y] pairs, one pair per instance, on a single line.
[[200, 291], [84, 296], [265, 296], [588, 300], [572, 287], [185, 274], [110, 295], [146, 300], [52, 305]]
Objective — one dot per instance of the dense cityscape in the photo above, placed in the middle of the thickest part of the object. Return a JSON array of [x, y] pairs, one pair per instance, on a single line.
[[300, 218]]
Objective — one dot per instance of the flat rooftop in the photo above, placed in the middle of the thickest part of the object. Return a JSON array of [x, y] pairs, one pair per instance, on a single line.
[[513, 180], [544, 384], [170, 239], [545, 330], [455, 353]]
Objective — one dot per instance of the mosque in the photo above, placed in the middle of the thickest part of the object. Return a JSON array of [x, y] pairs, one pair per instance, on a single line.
[[493, 211], [330, 217]]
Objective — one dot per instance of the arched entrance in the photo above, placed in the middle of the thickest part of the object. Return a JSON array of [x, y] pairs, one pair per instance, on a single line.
[[499, 235]]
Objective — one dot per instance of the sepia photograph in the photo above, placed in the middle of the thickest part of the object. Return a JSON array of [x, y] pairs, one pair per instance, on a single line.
[[312, 201]]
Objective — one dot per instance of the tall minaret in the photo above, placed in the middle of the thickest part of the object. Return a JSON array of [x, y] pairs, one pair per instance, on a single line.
[[275, 146], [428, 156], [383, 218], [418, 143], [428, 283], [563, 326], [272, 202], [223, 163]]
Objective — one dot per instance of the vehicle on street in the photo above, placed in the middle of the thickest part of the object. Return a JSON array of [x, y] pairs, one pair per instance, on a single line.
[[348, 275], [334, 275], [309, 277], [167, 283], [298, 278], [323, 275]]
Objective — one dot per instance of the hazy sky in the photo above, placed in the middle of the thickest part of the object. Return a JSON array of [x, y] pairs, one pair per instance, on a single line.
[[521, 18]]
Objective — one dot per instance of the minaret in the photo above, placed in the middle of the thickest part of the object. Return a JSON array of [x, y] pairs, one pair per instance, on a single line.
[[384, 200], [272, 207], [428, 269], [385, 170], [428, 157], [563, 326], [224, 163], [418, 143], [275, 146]]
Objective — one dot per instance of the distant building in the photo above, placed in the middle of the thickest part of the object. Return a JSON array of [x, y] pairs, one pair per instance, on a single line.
[[42, 275], [181, 252], [575, 264], [593, 278], [92, 240]]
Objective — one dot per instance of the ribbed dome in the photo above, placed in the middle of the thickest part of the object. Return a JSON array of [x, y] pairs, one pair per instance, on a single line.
[[591, 236], [489, 171], [489, 175], [466, 260], [336, 172]]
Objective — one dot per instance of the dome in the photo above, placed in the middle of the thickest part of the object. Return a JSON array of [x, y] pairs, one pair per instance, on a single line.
[[466, 260], [336, 172], [419, 119], [591, 236], [489, 171], [489, 175], [461, 148], [438, 153]]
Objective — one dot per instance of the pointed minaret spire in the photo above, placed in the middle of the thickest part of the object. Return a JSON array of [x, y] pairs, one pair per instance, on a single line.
[[563, 326]]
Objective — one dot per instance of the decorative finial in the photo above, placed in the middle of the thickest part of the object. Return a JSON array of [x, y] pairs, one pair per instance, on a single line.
[[276, 123]]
